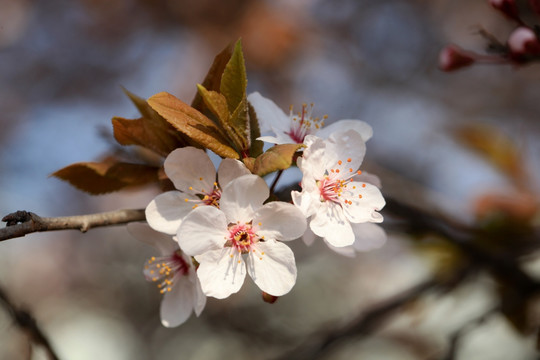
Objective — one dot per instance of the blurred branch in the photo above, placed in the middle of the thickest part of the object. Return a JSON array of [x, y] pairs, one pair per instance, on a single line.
[[26, 322], [20, 223], [361, 326], [504, 267], [457, 336]]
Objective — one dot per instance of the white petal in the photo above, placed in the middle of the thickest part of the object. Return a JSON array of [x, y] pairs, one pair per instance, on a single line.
[[230, 169], [330, 223], [220, 274], [274, 140], [305, 202], [369, 236], [268, 113], [313, 158], [143, 232], [199, 299], [242, 197], [166, 211], [366, 200], [279, 221], [309, 237], [342, 147], [369, 178], [363, 128], [204, 229], [347, 251], [177, 304], [272, 267], [190, 167]]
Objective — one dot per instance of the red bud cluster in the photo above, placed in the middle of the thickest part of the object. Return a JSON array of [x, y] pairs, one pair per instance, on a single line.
[[521, 47]]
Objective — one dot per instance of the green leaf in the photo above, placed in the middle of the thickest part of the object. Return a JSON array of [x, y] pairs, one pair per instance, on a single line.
[[240, 124], [256, 146], [278, 157], [234, 80], [107, 176], [192, 123], [212, 81], [217, 104]]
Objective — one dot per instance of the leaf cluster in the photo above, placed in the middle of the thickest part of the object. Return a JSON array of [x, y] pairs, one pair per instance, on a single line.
[[219, 119]]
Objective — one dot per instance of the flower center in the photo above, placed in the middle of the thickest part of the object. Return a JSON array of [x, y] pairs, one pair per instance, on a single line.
[[213, 198], [331, 189], [303, 123], [334, 184], [241, 237], [163, 270]]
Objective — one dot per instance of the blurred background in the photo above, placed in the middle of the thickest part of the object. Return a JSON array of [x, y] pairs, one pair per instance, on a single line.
[[62, 68]]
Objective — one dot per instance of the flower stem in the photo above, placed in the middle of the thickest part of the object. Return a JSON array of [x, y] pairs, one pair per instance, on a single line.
[[274, 183]]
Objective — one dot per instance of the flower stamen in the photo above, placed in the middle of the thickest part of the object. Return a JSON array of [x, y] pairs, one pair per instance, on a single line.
[[163, 270]]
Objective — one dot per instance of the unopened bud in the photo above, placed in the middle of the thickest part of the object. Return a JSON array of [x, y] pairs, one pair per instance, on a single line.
[[269, 298], [507, 7], [452, 58], [523, 41]]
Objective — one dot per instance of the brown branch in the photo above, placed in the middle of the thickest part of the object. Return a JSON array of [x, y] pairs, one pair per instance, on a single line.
[[26, 322], [318, 344], [455, 339], [20, 223]]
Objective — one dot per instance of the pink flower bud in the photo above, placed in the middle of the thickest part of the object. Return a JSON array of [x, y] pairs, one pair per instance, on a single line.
[[523, 41], [452, 58], [507, 7]]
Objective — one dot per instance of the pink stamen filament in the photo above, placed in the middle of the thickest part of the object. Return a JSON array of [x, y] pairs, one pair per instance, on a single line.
[[164, 269]]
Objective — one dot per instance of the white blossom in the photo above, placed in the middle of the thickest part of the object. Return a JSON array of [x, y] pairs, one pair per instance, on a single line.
[[243, 235], [293, 128], [335, 199], [193, 174], [174, 274]]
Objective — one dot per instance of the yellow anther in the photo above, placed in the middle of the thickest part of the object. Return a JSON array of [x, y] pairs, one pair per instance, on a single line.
[[340, 162], [186, 199], [200, 178], [363, 185], [190, 188]]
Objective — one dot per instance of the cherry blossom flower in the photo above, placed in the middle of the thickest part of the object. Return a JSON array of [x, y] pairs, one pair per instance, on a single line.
[[243, 234], [333, 199], [193, 174], [295, 127], [174, 274]]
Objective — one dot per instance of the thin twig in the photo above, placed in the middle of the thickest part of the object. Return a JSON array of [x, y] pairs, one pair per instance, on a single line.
[[26, 322], [468, 326], [274, 183], [20, 223], [363, 325]]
